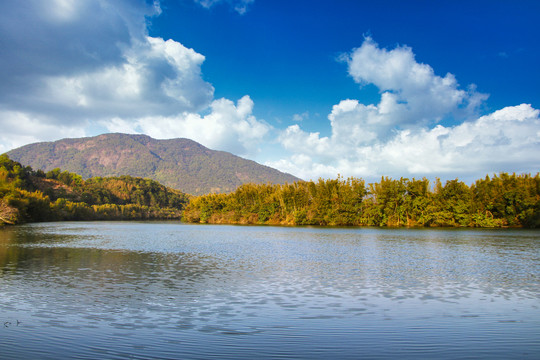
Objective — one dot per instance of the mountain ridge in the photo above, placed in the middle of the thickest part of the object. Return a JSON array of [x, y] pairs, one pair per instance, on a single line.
[[178, 163]]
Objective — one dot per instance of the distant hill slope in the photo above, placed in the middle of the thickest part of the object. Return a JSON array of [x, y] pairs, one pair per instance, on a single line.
[[182, 164]]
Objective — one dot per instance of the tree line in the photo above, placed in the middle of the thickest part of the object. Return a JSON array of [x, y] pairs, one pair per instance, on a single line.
[[27, 196], [498, 201]]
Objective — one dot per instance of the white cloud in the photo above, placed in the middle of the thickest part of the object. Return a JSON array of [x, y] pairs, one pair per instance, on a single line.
[[157, 77], [506, 140], [61, 57], [412, 94], [400, 136], [301, 117], [240, 6], [32, 129], [227, 127], [65, 37]]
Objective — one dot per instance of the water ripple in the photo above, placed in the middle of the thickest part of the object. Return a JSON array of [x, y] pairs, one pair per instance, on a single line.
[[169, 290]]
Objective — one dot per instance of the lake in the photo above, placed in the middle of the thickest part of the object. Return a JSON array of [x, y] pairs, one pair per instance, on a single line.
[[168, 290]]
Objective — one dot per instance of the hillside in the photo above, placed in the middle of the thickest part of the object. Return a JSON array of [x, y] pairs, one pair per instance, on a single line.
[[27, 196], [181, 164]]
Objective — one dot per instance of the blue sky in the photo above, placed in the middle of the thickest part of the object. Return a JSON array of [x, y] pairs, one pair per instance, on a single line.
[[284, 52], [315, 88]]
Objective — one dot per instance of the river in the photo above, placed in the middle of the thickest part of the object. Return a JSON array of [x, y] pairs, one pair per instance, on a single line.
[[168, 290]]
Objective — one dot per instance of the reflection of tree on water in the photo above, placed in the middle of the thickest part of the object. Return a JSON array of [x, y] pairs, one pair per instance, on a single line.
[[103, 285], [104, 267], [9, 253]]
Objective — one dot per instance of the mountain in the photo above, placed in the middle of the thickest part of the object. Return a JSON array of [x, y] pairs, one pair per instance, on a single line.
[[181, 164]]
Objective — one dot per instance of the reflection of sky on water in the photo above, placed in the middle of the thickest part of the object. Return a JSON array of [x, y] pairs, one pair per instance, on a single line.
[[306, 288]]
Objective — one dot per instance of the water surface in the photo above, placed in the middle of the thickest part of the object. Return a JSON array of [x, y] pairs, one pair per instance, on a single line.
[[117, 290]]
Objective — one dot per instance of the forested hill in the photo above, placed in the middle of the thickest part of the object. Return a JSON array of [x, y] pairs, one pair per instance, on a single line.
[[177, 163], [28, 196]]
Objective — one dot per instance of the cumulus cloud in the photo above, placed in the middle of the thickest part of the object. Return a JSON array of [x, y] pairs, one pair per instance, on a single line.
[[65, 37], [83, 60], [402, 134], [227, 127], [87, 65], [156, 76], [506, 140], [411, 93]]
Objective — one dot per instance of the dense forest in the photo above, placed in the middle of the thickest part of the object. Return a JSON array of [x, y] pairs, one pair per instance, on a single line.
[[498, 201], [27, 196]]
